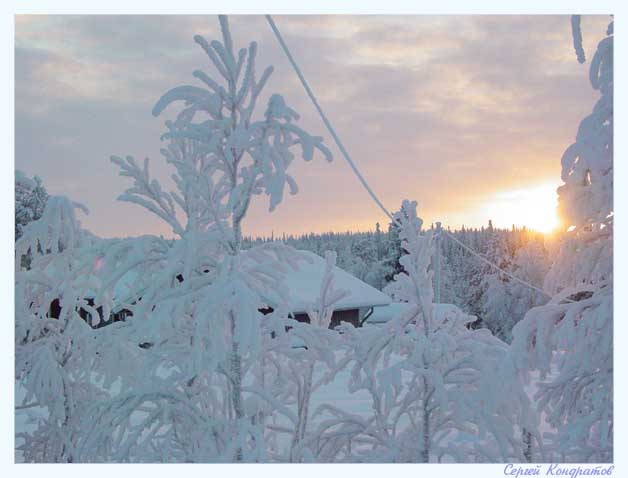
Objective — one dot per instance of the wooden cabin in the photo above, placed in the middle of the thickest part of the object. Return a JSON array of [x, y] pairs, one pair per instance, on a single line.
[[303, 290], [304, 287]]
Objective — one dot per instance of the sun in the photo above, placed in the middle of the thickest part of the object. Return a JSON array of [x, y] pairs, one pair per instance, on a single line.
[[533, 207]]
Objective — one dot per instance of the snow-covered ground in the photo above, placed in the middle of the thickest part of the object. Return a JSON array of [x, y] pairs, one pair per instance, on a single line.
[[334, 393]]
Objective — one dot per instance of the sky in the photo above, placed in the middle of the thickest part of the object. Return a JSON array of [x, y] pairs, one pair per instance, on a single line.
[[468, 115]]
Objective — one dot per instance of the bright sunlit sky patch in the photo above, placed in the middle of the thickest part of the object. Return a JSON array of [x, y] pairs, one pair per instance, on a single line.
[[469, 115], [533, 207]]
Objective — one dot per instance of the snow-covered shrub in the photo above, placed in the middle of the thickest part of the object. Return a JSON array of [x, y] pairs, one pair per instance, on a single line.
[[570, 340], [440, 391]]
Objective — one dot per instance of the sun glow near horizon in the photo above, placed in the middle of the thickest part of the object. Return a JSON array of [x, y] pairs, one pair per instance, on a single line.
[[533, 207]]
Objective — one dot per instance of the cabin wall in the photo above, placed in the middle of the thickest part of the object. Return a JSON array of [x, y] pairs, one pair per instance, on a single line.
[[352, 316]]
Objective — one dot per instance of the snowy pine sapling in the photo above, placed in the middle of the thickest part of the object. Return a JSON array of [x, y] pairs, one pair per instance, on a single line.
[[439, 391]]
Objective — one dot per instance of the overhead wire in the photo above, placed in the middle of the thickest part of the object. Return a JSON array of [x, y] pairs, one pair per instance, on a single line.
[[356, 170], [326, 121], [495, 266]]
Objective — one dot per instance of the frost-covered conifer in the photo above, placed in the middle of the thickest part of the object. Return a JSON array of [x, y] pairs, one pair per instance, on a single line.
[[570, 339]]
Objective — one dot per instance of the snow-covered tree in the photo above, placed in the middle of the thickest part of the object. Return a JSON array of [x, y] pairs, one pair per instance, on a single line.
[[439, 390], [505, 300], [394, 250], [496, 313], [54, 346], [495, 299], [531, 264], [570, 340], [201, 311], [193, 390], [30, 200]]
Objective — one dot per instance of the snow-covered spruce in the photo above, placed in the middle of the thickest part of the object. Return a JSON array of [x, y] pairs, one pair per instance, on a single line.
[[571, 338], [505, 302]]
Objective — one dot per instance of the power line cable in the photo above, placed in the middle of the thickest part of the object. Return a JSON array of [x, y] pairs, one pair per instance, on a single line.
[[354, 167], [330, 128], [486, 261]]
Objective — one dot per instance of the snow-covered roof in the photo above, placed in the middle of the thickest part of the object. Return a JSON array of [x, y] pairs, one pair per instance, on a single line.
[[304, 286], [123, 290], [382, 315]]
